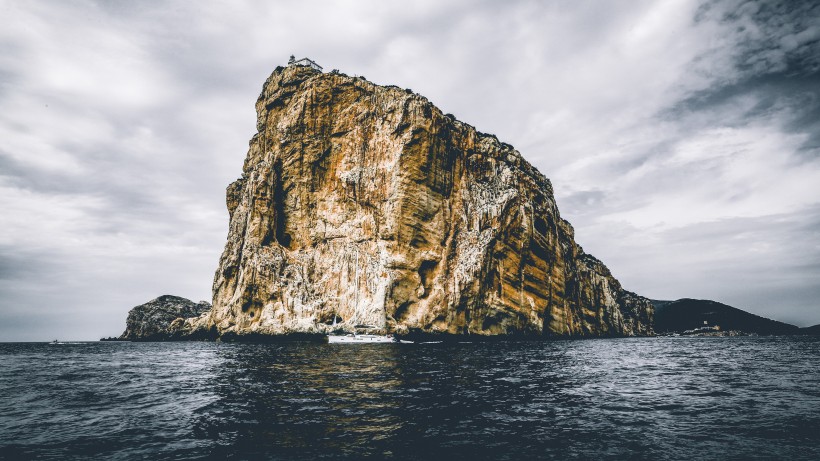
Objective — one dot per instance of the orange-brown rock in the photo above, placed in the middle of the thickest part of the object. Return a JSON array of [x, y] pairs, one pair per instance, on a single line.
[[362, 204]]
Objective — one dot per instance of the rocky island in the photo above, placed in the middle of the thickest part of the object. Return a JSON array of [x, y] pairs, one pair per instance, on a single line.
[[365, 205], [152, 321]]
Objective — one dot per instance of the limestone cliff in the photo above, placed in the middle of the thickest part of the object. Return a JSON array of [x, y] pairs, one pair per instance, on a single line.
[[362, 204], [152, 321]]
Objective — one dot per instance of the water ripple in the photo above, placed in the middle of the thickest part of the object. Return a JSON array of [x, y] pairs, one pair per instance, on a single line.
[[645, 398]]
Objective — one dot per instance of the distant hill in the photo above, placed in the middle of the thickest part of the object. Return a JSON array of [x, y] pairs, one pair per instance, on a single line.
[[813, 330], [686, 314]]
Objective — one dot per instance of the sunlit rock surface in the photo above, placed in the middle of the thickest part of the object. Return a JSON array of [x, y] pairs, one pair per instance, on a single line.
[[362, 204]]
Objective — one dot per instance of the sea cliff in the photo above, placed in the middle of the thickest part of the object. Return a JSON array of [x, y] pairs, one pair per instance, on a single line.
[[362, 204]]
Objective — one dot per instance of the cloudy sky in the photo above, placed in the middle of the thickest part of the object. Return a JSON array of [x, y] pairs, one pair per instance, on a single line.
[[682, 137]]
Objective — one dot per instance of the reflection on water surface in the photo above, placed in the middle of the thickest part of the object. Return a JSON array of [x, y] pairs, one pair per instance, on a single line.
[[653, 398]]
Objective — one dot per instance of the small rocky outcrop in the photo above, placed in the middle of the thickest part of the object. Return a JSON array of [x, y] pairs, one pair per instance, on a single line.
[[362, 204], [152, 321]]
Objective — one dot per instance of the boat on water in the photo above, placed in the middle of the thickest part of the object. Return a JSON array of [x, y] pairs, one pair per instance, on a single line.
[[360, 339]]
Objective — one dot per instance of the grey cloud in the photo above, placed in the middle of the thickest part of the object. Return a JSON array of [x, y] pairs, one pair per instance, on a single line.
[[787, 38], [581, 202], [769, 36], [766, 264], [773, 51], [114, 193], [797, 96], [23, 265]]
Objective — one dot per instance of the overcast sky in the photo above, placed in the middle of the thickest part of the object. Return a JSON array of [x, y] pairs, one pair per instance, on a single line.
[[682, 137]]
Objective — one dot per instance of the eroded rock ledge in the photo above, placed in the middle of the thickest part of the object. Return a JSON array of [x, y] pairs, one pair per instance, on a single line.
[[362, 204]]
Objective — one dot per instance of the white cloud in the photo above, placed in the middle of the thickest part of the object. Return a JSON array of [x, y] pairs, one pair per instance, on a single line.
[[668, 129]]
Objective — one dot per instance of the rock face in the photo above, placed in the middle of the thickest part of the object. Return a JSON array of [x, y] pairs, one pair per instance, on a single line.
[[362, 204], [152, 320]]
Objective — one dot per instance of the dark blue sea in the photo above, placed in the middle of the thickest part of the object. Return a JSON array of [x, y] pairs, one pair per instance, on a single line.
[[646, 398]]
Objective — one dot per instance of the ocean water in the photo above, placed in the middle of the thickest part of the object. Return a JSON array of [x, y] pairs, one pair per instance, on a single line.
[[643, 398]]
